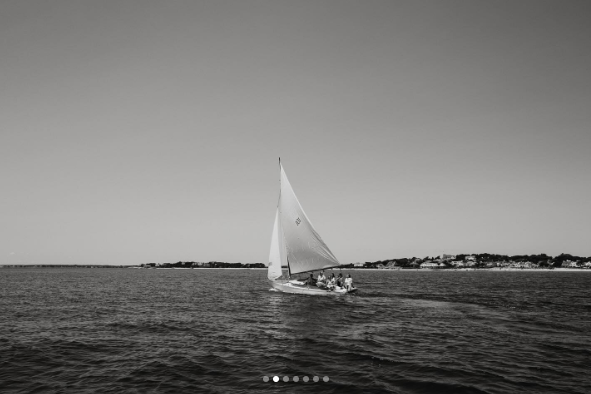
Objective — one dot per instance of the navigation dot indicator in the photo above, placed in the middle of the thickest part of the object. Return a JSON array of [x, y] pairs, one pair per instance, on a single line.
[[295, 379]]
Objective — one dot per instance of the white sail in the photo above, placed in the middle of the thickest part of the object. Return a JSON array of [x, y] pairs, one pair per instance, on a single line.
[[277, 253], [305, 250]]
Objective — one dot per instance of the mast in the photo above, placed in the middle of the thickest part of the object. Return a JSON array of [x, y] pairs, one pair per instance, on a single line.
[[277, 253]]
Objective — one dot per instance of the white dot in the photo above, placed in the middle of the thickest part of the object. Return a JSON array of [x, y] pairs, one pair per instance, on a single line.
[[316, 378], [325, 378], [286, 378], [296, 379], [265, 378], [306, 379], [275, 379]]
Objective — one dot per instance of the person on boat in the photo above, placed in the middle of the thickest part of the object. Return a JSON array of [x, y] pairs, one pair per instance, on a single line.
[[340, 280], [311, 281], [321, 277], [331, 282], [349, 283], [321, 280]]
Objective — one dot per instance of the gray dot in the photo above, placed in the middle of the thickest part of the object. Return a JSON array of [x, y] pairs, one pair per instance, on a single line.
[[325, 378], [265, 378], [306, 379], [296, 379], [286, 378], [316, 378]]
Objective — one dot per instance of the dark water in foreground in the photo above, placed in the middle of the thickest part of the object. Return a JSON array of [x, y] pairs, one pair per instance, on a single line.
[[220, 331]]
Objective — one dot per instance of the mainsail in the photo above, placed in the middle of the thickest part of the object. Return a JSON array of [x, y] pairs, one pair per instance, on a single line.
[[295, 239]]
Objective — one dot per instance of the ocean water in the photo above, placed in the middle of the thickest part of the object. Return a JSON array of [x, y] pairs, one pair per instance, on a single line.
[[222, 331]]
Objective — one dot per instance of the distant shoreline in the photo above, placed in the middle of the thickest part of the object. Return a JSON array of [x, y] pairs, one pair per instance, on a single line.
[[494, 269]]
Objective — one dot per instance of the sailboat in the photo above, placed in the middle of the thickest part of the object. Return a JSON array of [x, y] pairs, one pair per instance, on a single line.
[[296, 244]]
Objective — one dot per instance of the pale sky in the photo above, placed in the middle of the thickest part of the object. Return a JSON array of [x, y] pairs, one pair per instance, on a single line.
[[149, 131]]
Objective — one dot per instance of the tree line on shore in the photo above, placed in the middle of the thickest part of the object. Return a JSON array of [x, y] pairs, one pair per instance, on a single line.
[[485, 260], [480, 260], [210, 264]]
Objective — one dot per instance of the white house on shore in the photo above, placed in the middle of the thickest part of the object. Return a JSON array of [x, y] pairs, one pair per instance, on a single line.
[[432, 265], [571, 264]]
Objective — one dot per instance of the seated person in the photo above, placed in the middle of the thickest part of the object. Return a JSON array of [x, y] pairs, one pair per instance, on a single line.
[[340, 280], [330, 283], [321, 277], [349, 283], [311, 281]]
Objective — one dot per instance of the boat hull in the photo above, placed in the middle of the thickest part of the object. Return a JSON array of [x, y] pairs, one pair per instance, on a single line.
[[288, 287]]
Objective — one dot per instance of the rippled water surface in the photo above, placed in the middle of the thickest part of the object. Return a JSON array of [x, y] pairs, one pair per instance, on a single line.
[[127, 330]]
